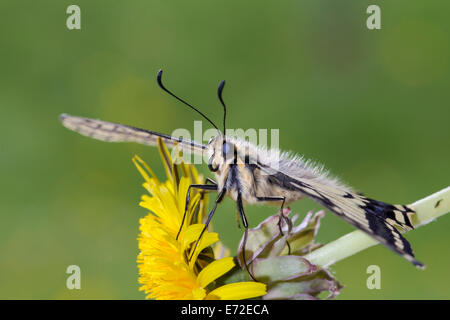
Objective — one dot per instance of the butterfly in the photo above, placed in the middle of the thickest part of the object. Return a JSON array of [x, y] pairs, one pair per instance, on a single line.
[[252, 174]]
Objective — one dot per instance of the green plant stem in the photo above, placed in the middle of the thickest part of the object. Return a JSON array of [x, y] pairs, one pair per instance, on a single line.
[[427, 210]]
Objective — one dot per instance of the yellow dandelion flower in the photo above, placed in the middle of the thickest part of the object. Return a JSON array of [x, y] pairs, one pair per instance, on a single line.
[[164, 268]]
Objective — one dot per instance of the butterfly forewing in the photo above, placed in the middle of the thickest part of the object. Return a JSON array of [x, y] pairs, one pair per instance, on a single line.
[[115, 132]]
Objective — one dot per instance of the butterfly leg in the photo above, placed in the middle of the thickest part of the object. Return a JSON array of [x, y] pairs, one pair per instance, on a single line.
[[282, 217], [202, 194], [205, 187], [210, 181], [240, 207], [208, 220]]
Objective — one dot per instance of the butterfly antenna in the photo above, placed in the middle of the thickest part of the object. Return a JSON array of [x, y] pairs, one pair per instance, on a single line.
[[159, 79], [219, 93]]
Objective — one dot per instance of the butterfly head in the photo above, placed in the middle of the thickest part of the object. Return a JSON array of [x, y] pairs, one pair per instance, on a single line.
[[221, 152]]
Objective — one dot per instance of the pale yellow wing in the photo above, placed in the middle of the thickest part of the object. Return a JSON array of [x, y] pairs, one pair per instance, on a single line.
[[115, 132], [378, 219]]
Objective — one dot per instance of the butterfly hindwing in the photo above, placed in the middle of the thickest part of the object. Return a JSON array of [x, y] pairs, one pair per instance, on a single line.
[[376, 218]]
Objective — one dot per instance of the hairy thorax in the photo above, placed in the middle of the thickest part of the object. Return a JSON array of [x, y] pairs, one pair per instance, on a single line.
[[254, 184]]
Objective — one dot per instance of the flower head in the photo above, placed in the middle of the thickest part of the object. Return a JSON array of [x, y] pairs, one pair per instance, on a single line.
[[282, 267], [167, 266]]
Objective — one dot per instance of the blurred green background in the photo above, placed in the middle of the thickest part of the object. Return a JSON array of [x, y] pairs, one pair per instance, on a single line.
[[371, 105]]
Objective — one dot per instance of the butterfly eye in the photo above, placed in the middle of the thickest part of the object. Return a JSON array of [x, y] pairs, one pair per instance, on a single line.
[[227, 150], [210, 165]]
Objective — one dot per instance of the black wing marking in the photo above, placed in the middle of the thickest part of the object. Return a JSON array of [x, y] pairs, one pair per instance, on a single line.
[[115, 132], [376, 218]]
